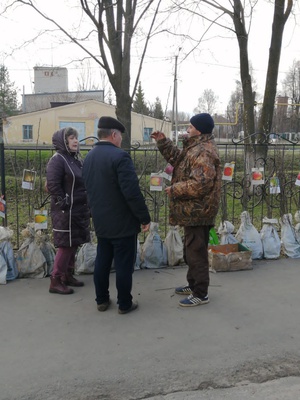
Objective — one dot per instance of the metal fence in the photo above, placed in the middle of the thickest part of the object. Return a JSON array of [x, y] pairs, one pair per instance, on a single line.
[[272, 196]]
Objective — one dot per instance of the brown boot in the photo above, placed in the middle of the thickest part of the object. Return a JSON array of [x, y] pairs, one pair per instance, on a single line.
[[69, 279], [57, 286]]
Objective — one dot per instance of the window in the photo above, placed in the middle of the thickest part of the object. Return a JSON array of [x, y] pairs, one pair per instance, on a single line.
[[27, 132], [80, 126], [147, 133]]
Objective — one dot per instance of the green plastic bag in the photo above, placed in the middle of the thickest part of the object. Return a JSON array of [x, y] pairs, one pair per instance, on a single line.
[[213, 237]]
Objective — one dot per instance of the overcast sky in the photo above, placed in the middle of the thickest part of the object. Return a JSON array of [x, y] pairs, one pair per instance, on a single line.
[[215, 65]]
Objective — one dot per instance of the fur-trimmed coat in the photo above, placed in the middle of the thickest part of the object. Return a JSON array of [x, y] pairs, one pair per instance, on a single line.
[[70, 214], [196, 180]]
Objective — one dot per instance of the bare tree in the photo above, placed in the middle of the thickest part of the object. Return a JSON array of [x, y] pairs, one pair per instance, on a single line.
[[207, 102], [282, 10], [234, 107], [291, 86], [85, 78], [182, 116], [239, 26], [113, 25], [288, 111]]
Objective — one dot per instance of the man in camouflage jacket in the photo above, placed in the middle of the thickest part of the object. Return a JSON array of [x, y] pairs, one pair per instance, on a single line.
[[194, 197]]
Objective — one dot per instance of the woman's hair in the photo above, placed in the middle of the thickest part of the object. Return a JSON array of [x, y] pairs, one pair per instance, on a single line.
[[71, 132]]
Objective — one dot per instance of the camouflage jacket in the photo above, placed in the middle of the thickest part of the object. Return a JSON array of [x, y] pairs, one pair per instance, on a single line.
[[196, 180]]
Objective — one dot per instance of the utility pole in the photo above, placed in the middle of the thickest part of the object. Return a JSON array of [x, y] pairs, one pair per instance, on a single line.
[[174, 122]]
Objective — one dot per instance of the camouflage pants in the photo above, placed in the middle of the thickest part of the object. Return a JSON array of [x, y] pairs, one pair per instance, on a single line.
[[196, 240]]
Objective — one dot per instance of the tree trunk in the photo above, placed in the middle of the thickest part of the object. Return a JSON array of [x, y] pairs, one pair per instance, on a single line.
[[242, 37], [123, 112], [265, 123], [248, 99]]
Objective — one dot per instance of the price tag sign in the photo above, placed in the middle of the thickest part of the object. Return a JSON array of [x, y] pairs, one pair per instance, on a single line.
[[156, 182], [257, 176], [2, 207], [228, 171], [28, 179], [40, 219]]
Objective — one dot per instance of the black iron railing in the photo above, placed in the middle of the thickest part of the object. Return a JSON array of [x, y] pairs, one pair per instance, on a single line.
[[240, 192]]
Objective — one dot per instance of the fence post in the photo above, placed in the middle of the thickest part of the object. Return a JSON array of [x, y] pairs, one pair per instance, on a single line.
[[2, 169]]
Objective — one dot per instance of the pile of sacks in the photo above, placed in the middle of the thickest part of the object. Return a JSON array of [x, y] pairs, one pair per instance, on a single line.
[[154, 253], [35, 257], [266, 243]]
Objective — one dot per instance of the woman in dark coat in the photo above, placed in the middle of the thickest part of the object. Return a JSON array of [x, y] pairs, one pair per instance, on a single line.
[[69, 210]]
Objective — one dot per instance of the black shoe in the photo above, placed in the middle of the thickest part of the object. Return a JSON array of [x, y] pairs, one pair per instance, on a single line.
[[103, 306], [133, 307]]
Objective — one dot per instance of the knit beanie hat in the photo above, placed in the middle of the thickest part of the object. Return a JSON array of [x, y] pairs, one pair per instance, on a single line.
[[110, 123], [203, 122]]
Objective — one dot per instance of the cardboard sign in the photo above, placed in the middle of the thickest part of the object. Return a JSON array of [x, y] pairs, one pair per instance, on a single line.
[[274, 185], [228, 171], [40, 219], [257, 176], [156, 182], [28, 179], [2, 207]]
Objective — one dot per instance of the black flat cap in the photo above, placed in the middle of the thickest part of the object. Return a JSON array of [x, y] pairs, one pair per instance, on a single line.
[[110, 123]]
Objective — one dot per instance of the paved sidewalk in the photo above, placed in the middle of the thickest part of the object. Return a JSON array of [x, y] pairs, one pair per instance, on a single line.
[[280, 389], [244, 344]]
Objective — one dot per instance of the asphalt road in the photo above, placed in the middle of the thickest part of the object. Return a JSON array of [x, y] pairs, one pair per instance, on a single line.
[[244, 344]]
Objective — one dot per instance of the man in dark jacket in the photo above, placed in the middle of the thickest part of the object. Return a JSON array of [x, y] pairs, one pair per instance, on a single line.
[[194, 197], [118, 212]]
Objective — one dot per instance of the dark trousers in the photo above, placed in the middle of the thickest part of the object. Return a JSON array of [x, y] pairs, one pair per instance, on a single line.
[[123, 252], [196, 240]]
